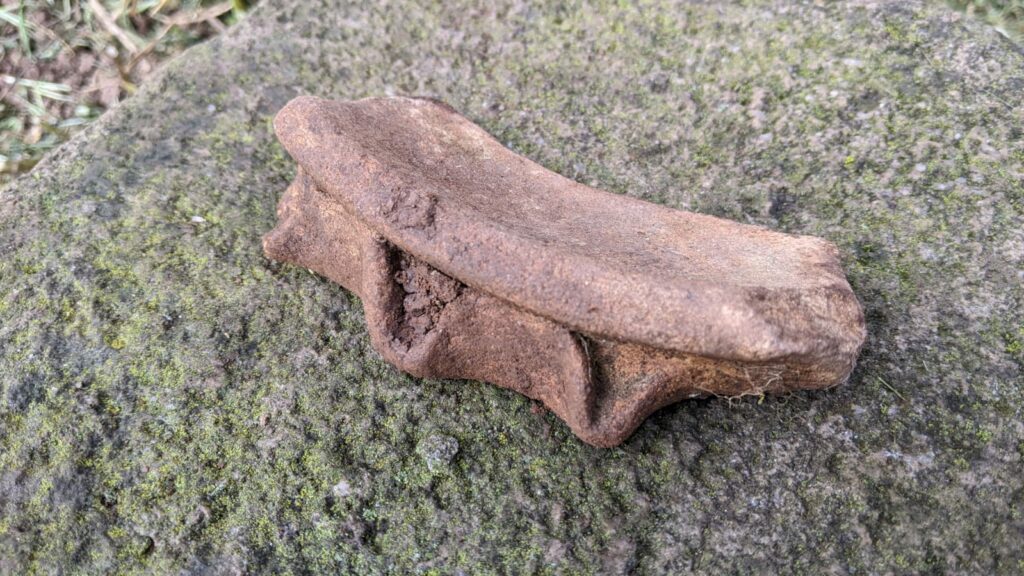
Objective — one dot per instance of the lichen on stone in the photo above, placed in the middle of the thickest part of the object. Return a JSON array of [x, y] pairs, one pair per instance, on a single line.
[[172, 401]]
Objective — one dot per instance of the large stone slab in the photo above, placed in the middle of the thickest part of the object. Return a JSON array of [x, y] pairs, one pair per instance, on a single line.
[[172, 401]]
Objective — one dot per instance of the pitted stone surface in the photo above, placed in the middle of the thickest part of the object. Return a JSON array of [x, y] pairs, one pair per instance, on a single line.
[[171, 401]]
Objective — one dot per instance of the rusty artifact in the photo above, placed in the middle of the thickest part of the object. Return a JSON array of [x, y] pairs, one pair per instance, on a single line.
[[474, 262]]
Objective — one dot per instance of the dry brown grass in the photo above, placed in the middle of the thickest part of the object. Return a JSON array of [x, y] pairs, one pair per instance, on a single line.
[[62, 62]]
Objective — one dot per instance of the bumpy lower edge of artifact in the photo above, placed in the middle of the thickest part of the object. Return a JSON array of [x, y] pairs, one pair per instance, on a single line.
[[432, 325]]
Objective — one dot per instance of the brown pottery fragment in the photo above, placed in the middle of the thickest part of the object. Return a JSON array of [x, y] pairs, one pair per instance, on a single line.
[[474, 262]]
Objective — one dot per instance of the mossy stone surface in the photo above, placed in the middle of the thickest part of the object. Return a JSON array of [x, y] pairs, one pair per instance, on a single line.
[[173, 402]]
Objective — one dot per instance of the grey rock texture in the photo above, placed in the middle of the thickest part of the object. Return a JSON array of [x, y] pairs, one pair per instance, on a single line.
[[173, 402]]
